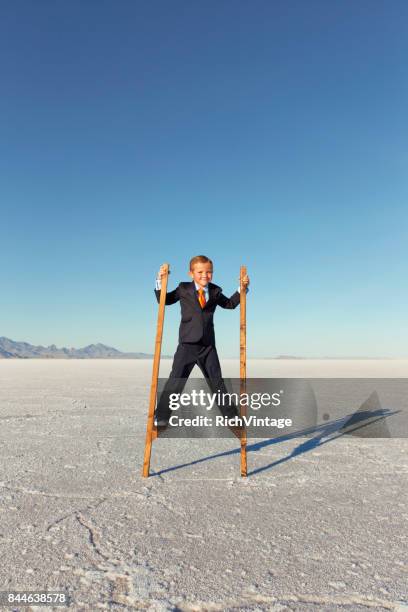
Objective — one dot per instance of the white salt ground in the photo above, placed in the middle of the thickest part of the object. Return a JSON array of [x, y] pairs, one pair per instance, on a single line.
[[320, 528]]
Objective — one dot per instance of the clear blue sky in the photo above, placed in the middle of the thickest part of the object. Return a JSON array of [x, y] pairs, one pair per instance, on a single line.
[[270, 133]]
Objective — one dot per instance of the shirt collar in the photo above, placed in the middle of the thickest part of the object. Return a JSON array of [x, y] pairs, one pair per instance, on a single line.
[[197, 286]]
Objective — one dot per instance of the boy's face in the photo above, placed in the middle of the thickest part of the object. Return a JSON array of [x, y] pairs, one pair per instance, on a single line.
[[202, 273]]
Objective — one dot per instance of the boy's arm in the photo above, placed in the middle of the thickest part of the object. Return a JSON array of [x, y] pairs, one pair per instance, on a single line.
[[231, 302], [234, 300], [171, 297]]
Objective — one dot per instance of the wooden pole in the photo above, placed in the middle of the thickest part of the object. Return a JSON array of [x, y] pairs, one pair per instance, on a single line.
[[151, 430], [242, 365]]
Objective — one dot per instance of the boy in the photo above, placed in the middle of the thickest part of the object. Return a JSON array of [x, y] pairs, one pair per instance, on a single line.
[[198, 300]]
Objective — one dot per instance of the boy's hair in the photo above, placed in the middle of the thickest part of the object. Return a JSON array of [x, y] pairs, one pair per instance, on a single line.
[[199, 259]]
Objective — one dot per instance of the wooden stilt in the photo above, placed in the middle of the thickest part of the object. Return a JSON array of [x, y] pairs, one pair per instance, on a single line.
[[242, 366], [151, 430]]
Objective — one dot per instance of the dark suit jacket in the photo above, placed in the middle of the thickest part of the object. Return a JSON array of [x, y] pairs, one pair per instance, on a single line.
[[197, 323]]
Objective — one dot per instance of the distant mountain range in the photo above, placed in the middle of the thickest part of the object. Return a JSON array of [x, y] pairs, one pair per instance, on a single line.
[[9, 349]]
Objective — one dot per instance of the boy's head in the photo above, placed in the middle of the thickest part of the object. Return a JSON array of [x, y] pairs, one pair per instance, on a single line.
[[201, 270]]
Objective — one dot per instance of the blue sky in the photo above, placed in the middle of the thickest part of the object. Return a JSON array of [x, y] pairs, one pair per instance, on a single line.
[[271, 134]]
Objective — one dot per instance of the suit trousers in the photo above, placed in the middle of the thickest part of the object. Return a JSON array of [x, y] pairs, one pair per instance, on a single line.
[[186, 357]]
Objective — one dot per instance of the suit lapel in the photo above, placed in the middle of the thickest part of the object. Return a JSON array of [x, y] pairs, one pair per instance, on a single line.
[[194, 295], [212, 294]]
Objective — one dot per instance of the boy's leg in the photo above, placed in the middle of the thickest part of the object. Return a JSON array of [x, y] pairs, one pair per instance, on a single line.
[[210, 366], [183, 362]]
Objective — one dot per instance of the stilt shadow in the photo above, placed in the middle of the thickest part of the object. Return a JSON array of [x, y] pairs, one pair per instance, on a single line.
[[324, 433]]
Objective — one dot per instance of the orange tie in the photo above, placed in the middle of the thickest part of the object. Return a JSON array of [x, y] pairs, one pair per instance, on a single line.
[[201, 298]]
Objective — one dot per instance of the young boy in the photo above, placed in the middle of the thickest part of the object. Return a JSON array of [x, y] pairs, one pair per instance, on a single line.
[[198, 300]]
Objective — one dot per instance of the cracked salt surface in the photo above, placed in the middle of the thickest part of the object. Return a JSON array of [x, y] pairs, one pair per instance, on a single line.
[[322, 528]]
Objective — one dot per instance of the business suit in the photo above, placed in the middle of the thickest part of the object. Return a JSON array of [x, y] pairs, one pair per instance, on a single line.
[[196, 343]]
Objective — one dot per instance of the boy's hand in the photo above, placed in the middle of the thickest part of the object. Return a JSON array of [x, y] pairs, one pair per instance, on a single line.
[[245, 281], [162, 272]]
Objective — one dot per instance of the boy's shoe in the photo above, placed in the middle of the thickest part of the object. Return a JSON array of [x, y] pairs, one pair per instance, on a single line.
[[238, 431], [160, 422]]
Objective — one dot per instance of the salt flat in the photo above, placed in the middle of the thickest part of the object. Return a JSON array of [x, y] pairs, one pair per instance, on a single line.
[[318, 524]]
